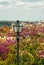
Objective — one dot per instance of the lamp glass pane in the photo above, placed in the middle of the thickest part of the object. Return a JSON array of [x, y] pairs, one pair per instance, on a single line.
[[15, 29], [20, 29]]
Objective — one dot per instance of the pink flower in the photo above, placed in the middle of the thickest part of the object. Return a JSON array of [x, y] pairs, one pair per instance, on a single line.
[[41, 39], [3, 49], [25, 32], [41, 53]]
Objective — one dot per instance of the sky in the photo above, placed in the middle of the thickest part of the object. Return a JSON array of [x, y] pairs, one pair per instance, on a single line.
[[23, 10]]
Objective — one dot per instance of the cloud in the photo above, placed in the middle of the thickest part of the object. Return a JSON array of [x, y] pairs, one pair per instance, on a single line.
[[31, 0], [28, 5], [35, 4], [5, 4], [21, 9]]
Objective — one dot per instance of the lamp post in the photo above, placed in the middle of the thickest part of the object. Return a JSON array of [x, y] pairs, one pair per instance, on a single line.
[[17, 28]]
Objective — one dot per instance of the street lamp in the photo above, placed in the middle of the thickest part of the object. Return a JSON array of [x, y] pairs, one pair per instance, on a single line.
[[17, 28]]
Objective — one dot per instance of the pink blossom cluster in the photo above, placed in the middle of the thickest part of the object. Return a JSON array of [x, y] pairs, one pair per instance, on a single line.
[[41, 53], [41, 40], [4, 47]]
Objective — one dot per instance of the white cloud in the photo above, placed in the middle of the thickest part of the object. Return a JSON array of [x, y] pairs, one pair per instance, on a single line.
[[5, 4], [2, 0], [31, 4], [21, 10]]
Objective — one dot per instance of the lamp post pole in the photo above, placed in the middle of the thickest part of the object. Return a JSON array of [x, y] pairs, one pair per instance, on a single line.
[[17, 38], [17, 28]]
